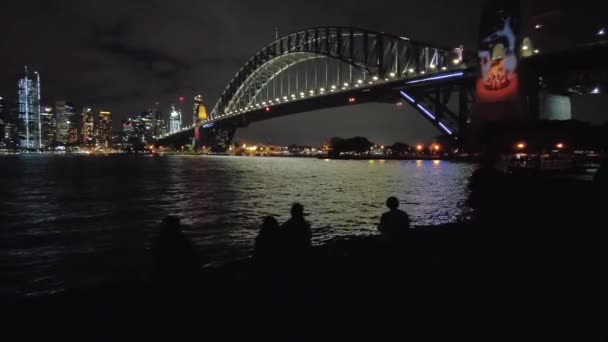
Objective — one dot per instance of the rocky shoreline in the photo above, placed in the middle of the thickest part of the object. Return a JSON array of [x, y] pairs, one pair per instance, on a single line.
[[534, 274]]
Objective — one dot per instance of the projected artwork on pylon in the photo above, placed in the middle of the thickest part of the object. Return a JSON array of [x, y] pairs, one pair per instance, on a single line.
[[498, 57]]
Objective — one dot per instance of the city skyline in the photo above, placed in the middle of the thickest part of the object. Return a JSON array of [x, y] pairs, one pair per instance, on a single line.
[[125, 67], [122, 70]]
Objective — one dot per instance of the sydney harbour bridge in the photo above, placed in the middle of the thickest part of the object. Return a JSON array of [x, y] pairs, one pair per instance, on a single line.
[[338, 66], [329, 67]]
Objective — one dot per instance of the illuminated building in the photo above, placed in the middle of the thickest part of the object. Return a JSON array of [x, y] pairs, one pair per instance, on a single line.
[[88, 126], [8, 126], [161, 128], [49, 126], [3, 120], [175, 121], [200, 111], [30, 132], [104, 129], [65, 116]]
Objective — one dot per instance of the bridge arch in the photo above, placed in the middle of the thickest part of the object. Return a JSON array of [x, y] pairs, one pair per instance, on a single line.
[[376, 55]]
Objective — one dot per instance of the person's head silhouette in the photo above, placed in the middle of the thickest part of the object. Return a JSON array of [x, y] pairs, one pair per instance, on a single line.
[[297, 211], [270, 222], [171, 224], [392, 203]]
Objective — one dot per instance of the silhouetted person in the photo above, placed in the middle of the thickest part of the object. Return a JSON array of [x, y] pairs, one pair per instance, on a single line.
[[600, 179], [296, 235], [487, 190], [174, 253], [394, 224], [267, 243]]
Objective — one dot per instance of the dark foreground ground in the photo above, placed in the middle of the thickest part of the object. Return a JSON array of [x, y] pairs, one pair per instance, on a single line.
[[532, 271]]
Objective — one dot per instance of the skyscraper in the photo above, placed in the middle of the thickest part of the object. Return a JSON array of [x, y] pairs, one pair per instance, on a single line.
[[28, 92], [88, 127], [200, 111], [2, 123], [49, 126], [65, 116], [104, 131], [175, 121]]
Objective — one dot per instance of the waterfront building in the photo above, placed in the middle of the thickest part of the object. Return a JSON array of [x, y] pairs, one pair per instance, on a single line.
[[200, 111], [88, 126], [175, 120], [28, 93], [104, 129], [65, 117], [3, 120], [161, 128], [49, 126]]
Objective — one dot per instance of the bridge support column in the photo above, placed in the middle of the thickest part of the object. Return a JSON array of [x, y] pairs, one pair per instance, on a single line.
[[216, 139]]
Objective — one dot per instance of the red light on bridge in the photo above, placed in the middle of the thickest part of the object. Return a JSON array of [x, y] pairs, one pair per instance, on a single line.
[[352, 100], [181, 99], [267, 109]]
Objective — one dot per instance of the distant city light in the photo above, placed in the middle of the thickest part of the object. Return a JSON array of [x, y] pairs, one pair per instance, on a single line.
[[352, 100], [392, 74], [538, 26], [419, 147], [267, 109], [375, 78], [601, 32], [521, 146], [560, 146], [595, 90]]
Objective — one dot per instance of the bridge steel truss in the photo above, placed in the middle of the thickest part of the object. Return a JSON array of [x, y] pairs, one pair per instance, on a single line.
[[379, 56], [383, 64]]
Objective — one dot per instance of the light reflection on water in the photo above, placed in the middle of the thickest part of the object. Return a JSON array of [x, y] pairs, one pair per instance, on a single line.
[[77, 221]]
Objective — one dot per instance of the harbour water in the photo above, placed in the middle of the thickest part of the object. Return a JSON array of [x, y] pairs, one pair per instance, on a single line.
[[78, 221]]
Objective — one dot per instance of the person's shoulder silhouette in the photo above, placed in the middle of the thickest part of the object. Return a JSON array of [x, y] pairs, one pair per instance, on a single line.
[[395, 222], [487, 188], [296, 230], [174, 252], [267, 241]]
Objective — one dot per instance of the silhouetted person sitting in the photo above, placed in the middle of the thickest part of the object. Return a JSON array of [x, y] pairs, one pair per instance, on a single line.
[[296, 234], [174, 253], [487, 189], [267, 243], [394, 224], [601, 177]]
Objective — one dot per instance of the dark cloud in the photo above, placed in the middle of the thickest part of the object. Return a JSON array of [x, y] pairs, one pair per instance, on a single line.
[[124, 55]]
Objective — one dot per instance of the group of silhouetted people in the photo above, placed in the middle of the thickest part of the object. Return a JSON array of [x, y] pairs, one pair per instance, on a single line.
[[288, 243], [291, 240]]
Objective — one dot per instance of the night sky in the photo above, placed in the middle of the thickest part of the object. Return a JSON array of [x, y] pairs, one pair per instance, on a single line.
[[122, 55]]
